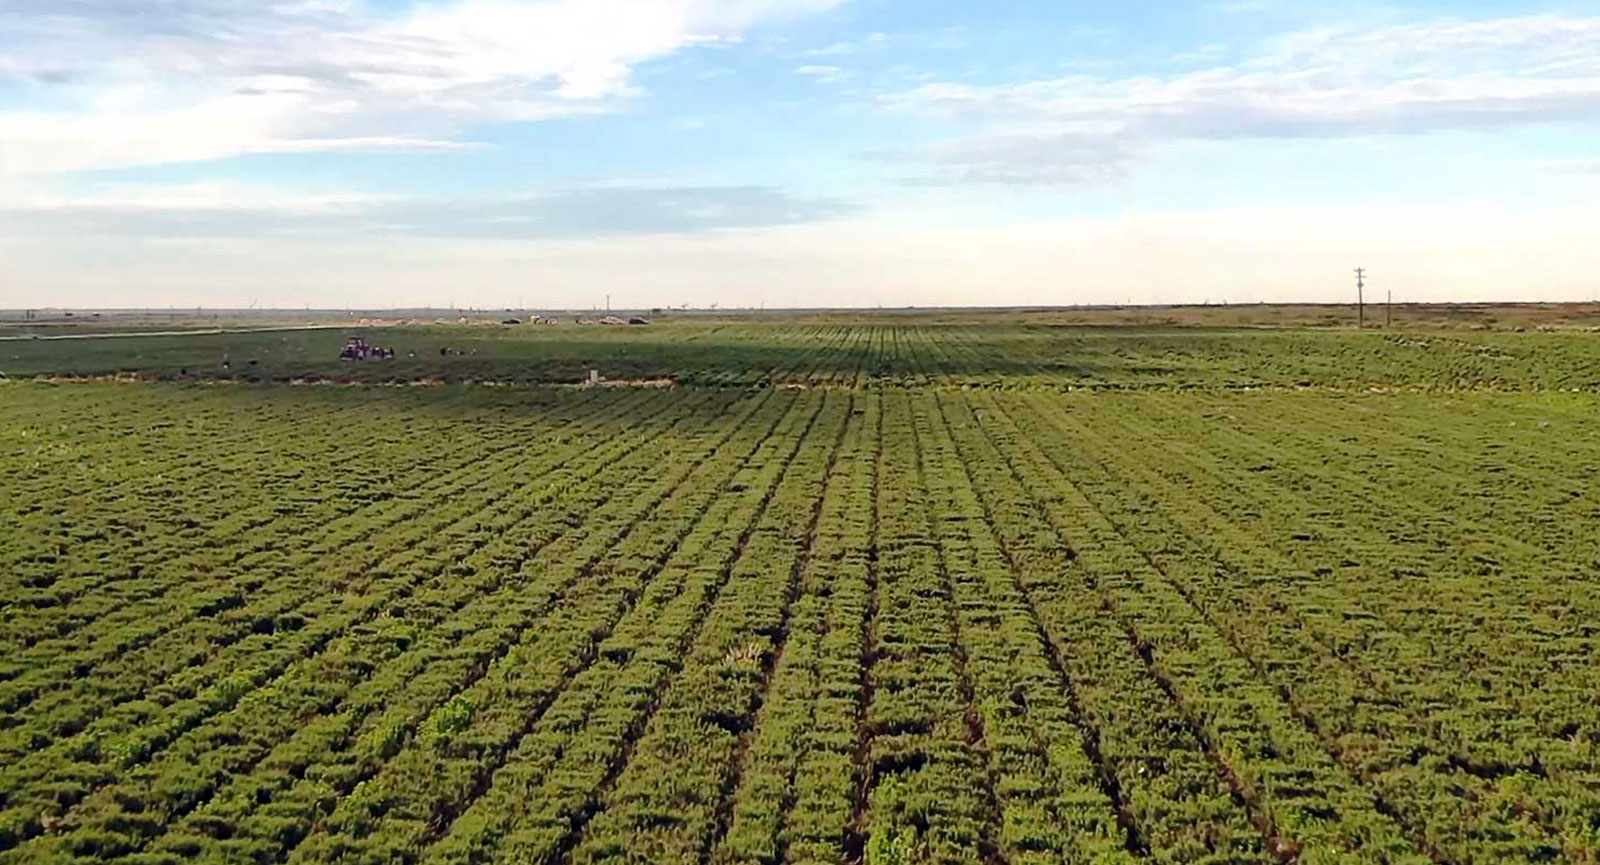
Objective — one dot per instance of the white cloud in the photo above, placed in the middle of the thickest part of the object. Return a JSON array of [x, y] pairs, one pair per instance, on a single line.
[[825, 74], [1581, 167], [128, 84], [841, 49], [39, 142], [837, 49], [212, 196], [386, 143], [229, 210], [1092, 157], [1326, 83]]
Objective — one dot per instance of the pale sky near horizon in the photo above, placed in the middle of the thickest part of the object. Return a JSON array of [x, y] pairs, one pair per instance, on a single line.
[[794, 152]]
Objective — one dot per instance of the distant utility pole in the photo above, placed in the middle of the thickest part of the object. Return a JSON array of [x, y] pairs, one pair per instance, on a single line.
[[608, 303], [1361, 300], [1388, 309]]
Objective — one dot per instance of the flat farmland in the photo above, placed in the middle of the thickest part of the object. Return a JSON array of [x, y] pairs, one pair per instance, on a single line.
[[856, 351], [852, 591]]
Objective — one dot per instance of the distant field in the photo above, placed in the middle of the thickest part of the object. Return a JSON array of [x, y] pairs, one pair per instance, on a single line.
[[1427, 316], [877, 591], [858, 353]]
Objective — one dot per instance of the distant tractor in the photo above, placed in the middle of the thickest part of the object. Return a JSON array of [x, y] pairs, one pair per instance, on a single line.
[[359, 349]]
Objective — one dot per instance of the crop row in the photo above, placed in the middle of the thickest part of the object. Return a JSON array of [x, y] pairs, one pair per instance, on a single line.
[[1269, 617], [170, 548], [420, 556], [1302, 802], [803, 625], [178, 647], [615, 643], [1034, 352], [791, 792], [1412, 654]]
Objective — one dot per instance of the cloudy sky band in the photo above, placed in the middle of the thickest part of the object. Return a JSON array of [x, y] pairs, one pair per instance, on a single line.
[[499, 130]]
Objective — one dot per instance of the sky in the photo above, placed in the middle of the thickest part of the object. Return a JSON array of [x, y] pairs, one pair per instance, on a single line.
[[794, 153]]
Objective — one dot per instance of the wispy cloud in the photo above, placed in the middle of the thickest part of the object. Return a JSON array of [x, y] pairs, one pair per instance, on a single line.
[[127, 84], [826, 74], [843, 49], [1021, 159], [390, 144], [1325, 83], [1583, 167], [838, 49], [223, 210]]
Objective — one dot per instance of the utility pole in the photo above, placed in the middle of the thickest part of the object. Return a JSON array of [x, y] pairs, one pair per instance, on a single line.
[[1361, 300], [1388, 309], [608, 304]]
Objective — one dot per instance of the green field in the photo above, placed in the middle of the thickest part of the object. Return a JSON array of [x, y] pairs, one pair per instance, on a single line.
[[856, 351], [875, 590]]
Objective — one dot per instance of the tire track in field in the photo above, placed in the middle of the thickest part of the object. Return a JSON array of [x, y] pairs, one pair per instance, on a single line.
[[484, 783], [1415, 835], [125, 647], [855, 839], [312, 650], [860, 378], [417, 498], [1109, 785], [918, 747], [844, 530], [1275, 842], [1472, 785], [378, 606], [741, 754], [557, 594], [977, 740], [751, 606], [1329, 652], [916, 364], [661, 562], [238, 555], [580, 821]]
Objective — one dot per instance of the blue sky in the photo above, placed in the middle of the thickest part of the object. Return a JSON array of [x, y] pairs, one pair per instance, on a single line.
[[793, 152]]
